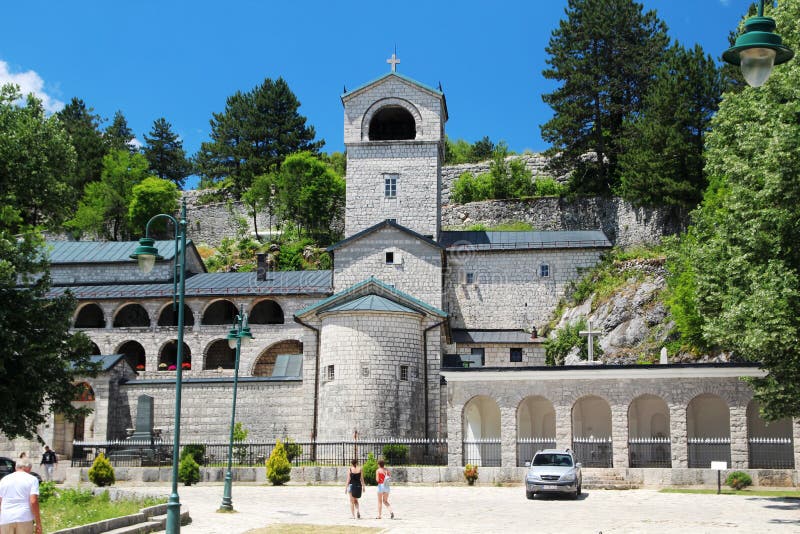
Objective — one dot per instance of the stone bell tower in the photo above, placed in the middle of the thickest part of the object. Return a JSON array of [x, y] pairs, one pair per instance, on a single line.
[[394, 135]]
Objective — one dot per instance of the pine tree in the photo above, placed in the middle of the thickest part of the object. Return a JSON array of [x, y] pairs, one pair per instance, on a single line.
[[164, 151], [253, 135], [118, 135], [83, 127], [603, 55]]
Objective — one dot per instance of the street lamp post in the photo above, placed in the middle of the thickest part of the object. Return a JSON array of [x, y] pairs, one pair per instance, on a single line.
[[236, 336], [758, 49], [147, 254]]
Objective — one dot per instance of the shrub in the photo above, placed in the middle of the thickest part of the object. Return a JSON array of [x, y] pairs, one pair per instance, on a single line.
[[240, 434], [471, 473], [395, 453], [548, 187], [293, 450], [369, 470], [47, 490], [188, 470], [196, 450], [738, 480], [101, 473], [279, 470]]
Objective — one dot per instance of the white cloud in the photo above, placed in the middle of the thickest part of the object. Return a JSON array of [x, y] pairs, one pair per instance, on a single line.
[[30, 82], [135, 143]]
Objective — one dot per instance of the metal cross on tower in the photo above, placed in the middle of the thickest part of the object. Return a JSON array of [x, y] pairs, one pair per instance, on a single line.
[[393, 61], [590, 334]]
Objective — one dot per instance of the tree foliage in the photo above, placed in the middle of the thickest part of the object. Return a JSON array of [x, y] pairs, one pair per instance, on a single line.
[[662, 161], [507, 178], [101, 473], [603, 56], [279, 470], [148, 198], [744, 255], [254, 134], [118, 135], [164, 152], [461, 151], [83, 127]]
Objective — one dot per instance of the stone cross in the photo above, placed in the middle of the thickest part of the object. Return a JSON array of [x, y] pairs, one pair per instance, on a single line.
[[393, 61], [590, 334]]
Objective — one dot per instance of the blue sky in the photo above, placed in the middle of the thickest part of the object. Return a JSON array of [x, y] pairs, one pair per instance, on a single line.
[[180, 60]]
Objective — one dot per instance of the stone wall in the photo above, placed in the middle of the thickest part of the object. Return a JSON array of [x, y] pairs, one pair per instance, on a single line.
[[535, 163], [209, 223]]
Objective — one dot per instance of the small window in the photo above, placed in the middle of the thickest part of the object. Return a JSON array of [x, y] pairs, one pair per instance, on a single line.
[[364, 370], [478, 357], [516, 355], [544, 270], [470, 278], [390, 185], [390, 258], [404, 373], [329, 372]]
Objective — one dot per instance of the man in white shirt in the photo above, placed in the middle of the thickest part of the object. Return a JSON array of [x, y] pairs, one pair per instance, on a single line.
[[19, 501]]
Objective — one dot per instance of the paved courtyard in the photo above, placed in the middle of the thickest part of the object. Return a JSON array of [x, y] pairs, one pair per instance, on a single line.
[[487, 509]]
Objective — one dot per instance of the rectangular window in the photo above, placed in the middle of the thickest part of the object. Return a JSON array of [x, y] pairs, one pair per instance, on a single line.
[[404, 373], [544, 270], [390, 185], [516, 355], [364, 370], [478, 357], [470, 278], [390, 258], [329, 373]]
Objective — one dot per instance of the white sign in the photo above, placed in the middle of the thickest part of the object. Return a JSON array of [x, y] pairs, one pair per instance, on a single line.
[[719, 466]]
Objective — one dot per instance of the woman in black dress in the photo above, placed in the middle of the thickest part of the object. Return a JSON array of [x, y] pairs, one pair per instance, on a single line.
[[355, 485]]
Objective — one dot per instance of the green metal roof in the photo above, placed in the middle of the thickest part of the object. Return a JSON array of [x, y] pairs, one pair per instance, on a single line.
[[102, 251], [383, 224], [106, 361], [371, 303], [479, 240]]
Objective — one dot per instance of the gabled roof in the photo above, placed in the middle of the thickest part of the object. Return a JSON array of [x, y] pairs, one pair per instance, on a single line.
[[371, 286], [107, 361], [479, 240], [383, 224], [371, 303], [350, 94], [61, 252]]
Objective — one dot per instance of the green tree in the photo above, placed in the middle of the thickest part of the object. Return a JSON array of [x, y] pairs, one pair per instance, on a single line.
[[279, 470], [104, 209], [662, 162], [83, 127], [188, 470], [101, 473], [36, 157], [164, 151], [603, 55], [118, 135], [148, 198], [260, 196], [746, 258], [309, 193], [254, 135], [508, 178]]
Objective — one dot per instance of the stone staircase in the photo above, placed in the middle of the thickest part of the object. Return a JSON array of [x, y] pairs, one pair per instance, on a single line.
[[607, 481], [151, 519]]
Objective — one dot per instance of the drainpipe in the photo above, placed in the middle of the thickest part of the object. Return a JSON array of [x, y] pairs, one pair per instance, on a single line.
[[316, 381], [425, 368]]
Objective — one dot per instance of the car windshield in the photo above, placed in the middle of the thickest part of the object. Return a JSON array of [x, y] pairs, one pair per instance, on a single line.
[[553, 459]]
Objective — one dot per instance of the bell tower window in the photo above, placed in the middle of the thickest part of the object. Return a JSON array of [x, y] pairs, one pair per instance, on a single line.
[[390, 186], [392, 123]]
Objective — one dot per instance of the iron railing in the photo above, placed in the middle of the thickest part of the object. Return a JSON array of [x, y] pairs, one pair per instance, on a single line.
[[770, 453], [703, 451], [130, 453], [527, 447], [649, 452], [593, 452], [485, 452]]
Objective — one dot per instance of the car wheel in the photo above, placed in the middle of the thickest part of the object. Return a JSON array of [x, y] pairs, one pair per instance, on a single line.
[[529, 495], [578, 491]]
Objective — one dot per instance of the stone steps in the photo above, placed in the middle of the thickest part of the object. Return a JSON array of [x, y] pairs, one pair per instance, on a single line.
[[157, 523], [610, 482]]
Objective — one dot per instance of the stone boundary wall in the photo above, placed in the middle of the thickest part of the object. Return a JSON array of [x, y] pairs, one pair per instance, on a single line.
[[535, 163], [452, 475]]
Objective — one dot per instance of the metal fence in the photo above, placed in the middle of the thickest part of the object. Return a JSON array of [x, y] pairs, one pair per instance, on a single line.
[[483, 452], [527, 447], [770, 453], [129, 453], [593, 452], [703, 451], [649, 452]]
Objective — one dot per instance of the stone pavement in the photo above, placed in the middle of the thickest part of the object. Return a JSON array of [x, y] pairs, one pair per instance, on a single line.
[[485, 509]]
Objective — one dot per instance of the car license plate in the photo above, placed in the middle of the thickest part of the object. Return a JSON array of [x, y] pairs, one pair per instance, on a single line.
[[550, 487]]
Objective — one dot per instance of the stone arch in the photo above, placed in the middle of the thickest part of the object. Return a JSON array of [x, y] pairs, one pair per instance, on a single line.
[[131, 315], [536, 427], [168, 316], [95, 349], [219, 355], [265, 363], [387, 107], [266, 312], [134, 354], [481, 422], [90, 315], [168, 355], [708, 416], [758, 427], [649, 442], [84, 393], [220, 312], [770, 444], [591, 417]]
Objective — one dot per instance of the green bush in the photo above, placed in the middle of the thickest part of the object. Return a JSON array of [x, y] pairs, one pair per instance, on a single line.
[[240, 434], [556, 348], [196, 451], [279, 470], [78, 497], [101, 473], [293, 450], [548, 187], [47, 490], [188, 470], [738, 480], [395, 453], [369, 470]]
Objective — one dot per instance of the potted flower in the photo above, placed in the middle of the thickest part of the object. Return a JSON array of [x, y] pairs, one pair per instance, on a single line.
[[471, 473], [140, 367], [186, 366], [172, 367], [162, 366]]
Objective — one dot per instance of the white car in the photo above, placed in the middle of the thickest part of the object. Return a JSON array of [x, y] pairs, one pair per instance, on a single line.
[[553, 471]]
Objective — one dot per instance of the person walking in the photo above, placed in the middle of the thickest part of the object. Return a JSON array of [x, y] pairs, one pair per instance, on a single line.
[[382, 475], [355, 485], [49, 461], [19, 501]]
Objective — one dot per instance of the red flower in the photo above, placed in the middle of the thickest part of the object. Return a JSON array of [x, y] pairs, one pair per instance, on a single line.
[[186, 365]]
